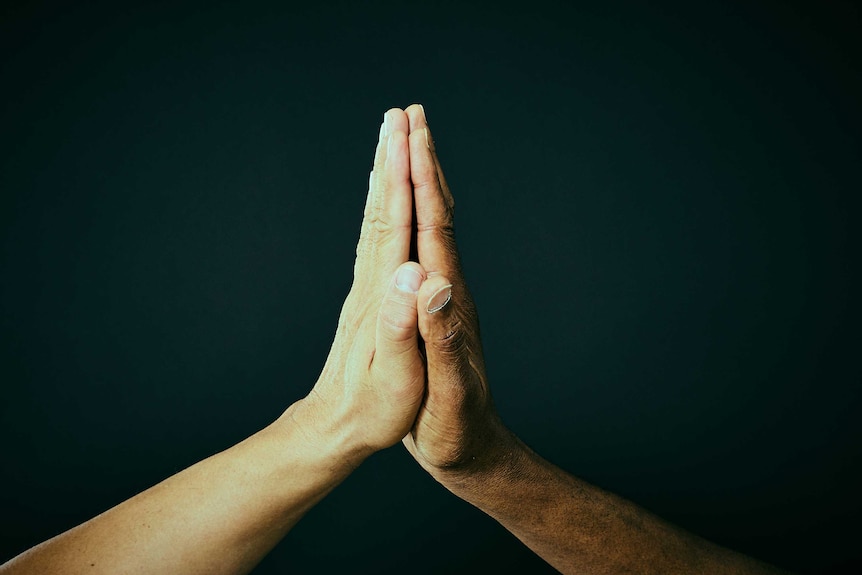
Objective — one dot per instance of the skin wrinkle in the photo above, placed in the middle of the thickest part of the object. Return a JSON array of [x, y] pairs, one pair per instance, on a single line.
[[442, 228], [452, 331]]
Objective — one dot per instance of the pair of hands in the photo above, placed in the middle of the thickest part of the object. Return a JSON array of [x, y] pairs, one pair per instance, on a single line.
[[406, 363]]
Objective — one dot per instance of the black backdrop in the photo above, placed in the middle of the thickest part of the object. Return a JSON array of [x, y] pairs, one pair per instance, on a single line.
[[656, 208]]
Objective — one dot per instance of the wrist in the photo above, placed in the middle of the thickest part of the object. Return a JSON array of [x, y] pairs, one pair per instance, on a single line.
[[323, 435], [503, 485], [502, 459]]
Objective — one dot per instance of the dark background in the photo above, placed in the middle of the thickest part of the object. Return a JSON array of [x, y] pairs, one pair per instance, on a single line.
[[657, 214]]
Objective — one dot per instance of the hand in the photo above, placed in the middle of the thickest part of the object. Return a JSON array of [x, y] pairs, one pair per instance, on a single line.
[[374, 378], [457, 429], [223, 514]]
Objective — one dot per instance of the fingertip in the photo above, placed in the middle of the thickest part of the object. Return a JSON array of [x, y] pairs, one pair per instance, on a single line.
[[395, 119], [416, 116], [409, 277]]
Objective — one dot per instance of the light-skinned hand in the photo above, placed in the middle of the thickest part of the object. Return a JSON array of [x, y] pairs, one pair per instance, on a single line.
[[373, 381]]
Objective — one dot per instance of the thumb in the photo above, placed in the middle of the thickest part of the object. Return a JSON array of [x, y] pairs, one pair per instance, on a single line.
[[439, 324], [397, 320]]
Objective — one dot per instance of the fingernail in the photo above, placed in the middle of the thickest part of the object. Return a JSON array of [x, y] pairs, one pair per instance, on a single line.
[[408, 280], [427, 143], [424, 117], [382, 131], [385, 124], [440, 298]]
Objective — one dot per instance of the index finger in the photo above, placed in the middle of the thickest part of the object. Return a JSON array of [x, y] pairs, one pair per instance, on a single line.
[[434, 204], [385, 236]]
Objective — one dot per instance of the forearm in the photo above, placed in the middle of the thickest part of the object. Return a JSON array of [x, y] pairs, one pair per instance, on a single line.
[[220, 516], [579, 528]]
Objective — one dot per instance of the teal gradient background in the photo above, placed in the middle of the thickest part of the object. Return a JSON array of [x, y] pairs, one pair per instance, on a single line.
[[657, 211]]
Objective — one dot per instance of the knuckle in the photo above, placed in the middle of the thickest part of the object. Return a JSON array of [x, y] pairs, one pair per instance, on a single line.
[[381, 225], [375, 227], [399, 318], [426, 181], [442, 234], [446, 229], [384, 227], [452, 341]]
